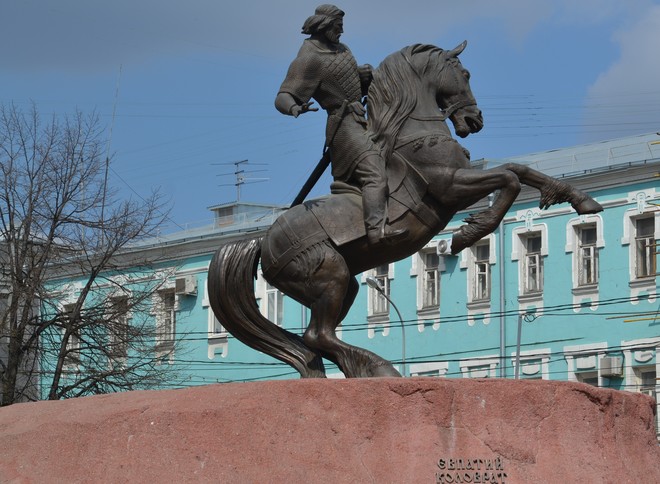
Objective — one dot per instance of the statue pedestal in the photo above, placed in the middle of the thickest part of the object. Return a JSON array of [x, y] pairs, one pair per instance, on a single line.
[[374, 430]]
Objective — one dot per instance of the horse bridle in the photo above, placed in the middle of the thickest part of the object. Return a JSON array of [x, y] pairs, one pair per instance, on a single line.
[[451, 109]]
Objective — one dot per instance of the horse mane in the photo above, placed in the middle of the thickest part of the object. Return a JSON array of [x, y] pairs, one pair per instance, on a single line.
[[393, 92]]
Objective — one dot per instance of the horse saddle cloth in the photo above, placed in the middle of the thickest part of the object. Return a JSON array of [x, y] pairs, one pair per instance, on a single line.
[[340, 213]]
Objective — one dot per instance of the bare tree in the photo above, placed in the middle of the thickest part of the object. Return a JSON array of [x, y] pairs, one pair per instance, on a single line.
[[60, 222]]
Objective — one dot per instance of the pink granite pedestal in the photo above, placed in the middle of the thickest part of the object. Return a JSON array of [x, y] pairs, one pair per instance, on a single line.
[[337, 431]]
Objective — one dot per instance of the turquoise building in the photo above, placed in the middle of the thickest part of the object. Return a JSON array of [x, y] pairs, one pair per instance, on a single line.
[[549, 295]]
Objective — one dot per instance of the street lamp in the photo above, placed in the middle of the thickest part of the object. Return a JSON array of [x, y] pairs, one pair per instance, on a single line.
[[375, 284], [528, 317]]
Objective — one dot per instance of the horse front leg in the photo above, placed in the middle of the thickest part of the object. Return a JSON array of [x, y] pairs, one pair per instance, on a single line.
[[554, 191], [468, 187]]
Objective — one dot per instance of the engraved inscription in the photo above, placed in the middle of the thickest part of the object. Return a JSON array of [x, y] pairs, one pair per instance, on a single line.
[[479, 471]]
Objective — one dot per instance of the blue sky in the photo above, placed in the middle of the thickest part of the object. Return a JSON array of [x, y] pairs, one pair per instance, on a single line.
[[198, 79]]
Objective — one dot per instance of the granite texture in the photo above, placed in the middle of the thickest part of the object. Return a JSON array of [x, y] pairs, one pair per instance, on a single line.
[[337, 431]]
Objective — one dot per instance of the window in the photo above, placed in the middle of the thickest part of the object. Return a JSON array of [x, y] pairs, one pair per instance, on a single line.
[[379, 304], [584, 240], [274, 304], [217, 342], [641, 230], [642, 364], [118, 328], [588, 377], [647, 381], [645, 247], [378, 307], [165, 322], [72, 344], [430, 280], [480, 367], [533, 264], [216, 329], [435, 369], [529, 249], [426, 268], [478, 262], [587, 255], [532, 364], [583, 362], [481, 287], [270, 299]]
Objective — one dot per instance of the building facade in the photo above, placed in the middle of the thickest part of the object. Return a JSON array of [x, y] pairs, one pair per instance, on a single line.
[[549, 295]]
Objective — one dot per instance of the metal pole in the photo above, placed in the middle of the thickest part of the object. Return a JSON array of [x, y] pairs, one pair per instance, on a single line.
[[501, 262], [373, 283], [517, 371]]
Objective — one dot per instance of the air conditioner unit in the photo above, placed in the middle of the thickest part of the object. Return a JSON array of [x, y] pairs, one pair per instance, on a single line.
[[443, 247], [186, 286], [611, 366]]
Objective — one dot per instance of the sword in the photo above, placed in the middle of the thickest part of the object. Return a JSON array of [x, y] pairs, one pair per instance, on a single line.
[[323, 162], [313, 178]]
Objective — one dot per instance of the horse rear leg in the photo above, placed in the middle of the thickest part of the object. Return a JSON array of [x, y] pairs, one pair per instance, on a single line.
[[332, 291], [554, 191]]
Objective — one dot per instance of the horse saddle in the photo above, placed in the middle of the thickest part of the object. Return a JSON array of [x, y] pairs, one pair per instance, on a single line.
[[340, 213]]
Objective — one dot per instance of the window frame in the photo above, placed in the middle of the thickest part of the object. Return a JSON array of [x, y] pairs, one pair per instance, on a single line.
[[587, 257], [645, 249], [482, 283], [642, 210], [533, 276], [528, 300], [426, 271], [165, 324], [379, 306], [274, 304], [71, 362], [428, 315], [217, 341], [262, 293], [381, 319], [119, 348], [584, 360]]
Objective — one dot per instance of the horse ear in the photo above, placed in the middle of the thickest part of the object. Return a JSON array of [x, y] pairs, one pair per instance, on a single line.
[[457, 50]]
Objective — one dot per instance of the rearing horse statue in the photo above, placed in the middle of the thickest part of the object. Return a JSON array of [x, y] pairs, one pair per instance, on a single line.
[[314, 251]]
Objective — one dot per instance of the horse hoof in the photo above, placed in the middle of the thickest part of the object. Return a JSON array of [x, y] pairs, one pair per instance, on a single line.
[[458, 242], [588, 205]]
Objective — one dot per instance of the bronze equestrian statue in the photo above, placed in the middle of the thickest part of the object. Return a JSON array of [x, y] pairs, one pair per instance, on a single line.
[[314, 250], [326, 70]]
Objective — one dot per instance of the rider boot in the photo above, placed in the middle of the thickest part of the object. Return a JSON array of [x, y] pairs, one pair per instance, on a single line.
[[370, 174], [376, 235], [374, 206]]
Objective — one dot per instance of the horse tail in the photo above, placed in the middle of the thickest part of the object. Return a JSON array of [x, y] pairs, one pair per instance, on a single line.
[[231, 295]]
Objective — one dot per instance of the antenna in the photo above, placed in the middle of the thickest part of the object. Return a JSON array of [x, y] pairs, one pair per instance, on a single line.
[[240, 174], [107, 153]]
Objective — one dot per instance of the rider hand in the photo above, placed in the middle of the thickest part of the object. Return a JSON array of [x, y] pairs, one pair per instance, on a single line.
[[366, 73], [298, 109], [366, 76]]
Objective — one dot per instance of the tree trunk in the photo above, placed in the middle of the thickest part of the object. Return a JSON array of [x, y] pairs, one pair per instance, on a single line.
[[10, 375]]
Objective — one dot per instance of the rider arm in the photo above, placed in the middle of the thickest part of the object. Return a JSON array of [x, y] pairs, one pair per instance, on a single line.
[[298, 87], [287, 104]]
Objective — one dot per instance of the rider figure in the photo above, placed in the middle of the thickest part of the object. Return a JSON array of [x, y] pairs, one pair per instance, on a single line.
[[326, 71]]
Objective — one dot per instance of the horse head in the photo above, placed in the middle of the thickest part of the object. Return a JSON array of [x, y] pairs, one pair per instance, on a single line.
[[421, 79], [454, 95]]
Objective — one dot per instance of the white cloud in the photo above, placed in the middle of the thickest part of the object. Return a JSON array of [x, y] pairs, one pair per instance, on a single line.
[[629, 90], [85, 35]]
